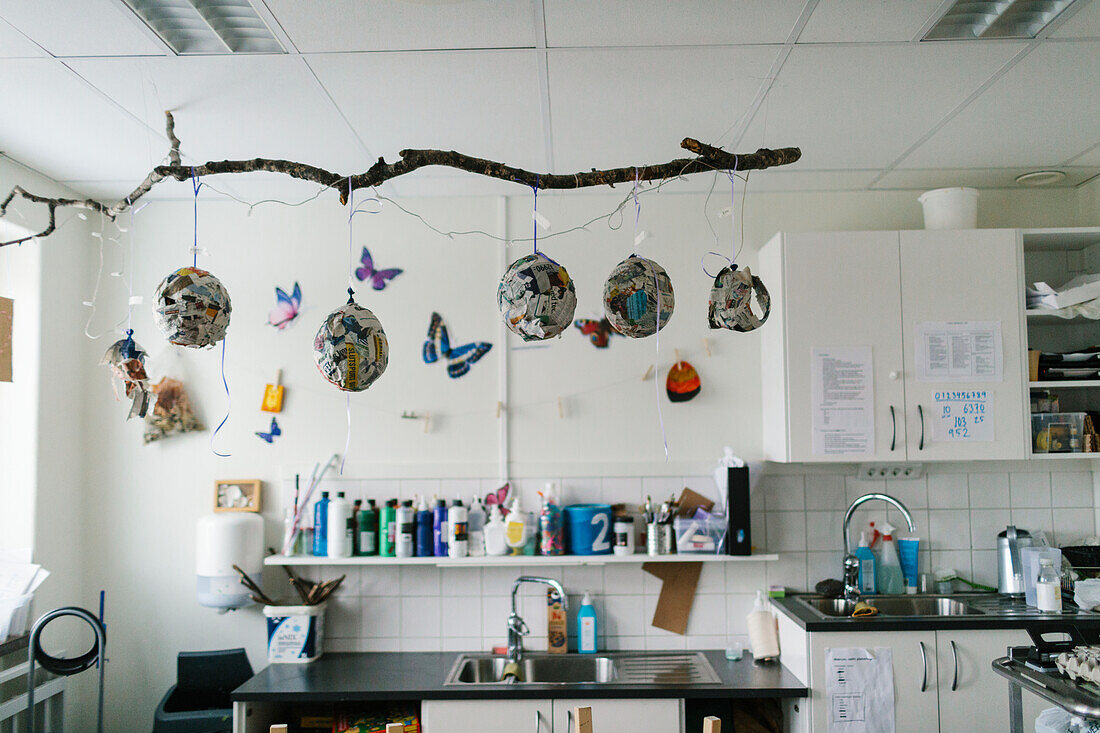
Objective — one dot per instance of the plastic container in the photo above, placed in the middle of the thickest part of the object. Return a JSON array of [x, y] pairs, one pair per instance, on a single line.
[[405, 536], [515, 527], [763, 629], [336, 524], [387, 528], [13, 614], [699, 536], [320, 526], [624, 535], [295, 634], [495, 542], [368, 530], [475, 529], [588, 529], [1048, 588], [1058, 432], [223, 540], [586, 627], [888, 577], [425, 544], [866, 558], [551, 527], [1029, 559], [950, 208], [439, 528], [457, 529]]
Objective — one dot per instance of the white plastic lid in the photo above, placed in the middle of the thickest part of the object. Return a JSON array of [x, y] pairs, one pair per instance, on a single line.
[[586, 601], [888, 530], [494, 514], [761, 604]]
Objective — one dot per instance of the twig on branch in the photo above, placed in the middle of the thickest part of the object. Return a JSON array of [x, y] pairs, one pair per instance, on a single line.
[[709, 159]]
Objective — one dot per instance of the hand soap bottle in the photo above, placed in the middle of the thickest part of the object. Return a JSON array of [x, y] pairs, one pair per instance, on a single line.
[[495, 543], [866, 565], [763, 630], [515, 528], [888, 577], [586, 626]]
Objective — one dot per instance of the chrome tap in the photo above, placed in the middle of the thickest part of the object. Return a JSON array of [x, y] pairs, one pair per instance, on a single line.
[[517, 629], [851, 563]]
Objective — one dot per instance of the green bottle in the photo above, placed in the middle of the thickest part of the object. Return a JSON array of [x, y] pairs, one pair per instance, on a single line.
[[368, 530], [387, 528]]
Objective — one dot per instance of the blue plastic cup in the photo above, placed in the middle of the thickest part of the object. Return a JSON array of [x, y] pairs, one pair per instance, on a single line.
[[908, 548], [588, 529]]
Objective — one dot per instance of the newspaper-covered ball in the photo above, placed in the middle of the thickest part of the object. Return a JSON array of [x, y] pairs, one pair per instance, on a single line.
[[192, 308], [630, 297], [350, 348], [731, 300], [537, 298]]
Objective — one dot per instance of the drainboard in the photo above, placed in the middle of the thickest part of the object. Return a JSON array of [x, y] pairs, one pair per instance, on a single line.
[[621, 668]]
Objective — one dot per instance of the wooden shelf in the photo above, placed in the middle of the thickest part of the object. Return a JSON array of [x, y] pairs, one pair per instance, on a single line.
[[516, 561], [1066, 384]]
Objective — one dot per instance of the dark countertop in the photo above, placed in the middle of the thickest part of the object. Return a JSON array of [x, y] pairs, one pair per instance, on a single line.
[[998, 612], [349, 677]]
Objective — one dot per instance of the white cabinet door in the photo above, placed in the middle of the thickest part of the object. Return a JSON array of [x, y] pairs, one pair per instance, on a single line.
[[914, 663], [478, 716], [837, 289], [636, 714], [972, 696], [965, 275]]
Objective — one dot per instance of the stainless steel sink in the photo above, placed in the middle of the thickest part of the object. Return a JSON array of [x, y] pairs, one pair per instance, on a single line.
[[892, 606], [560, 669]]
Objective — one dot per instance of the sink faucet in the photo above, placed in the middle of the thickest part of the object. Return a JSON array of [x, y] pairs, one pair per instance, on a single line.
[[517, 629], [851, 563]]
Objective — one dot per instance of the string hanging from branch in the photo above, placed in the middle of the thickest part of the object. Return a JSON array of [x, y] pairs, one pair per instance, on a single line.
[[708, 158]]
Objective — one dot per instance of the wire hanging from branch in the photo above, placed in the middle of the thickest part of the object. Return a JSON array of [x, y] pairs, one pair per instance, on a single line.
[[708, 158]]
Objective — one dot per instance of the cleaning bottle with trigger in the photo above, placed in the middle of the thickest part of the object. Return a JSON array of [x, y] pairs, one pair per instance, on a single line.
[[866, 565], [888, 575]]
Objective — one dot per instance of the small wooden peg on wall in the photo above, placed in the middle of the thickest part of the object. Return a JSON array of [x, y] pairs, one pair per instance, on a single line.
[[706, 346], [561, 409], [500, 408], [648, 371], [427, 422]]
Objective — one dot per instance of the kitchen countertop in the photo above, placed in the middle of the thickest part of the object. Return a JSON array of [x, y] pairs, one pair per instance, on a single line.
[[419, 676], [999, 612]]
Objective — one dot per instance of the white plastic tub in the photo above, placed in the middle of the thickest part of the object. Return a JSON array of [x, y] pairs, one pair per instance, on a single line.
[[13, 615], [295, 634], [950, 208]]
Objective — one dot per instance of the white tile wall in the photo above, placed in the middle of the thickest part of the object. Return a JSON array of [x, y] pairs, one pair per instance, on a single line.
[[797, 512]]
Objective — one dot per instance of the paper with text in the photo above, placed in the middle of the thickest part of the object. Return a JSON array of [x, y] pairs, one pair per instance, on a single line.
[[842, 399], [959, 351], [962, 416], [859, 686]]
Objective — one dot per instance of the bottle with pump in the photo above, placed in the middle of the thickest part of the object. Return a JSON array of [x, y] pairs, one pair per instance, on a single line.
[[866, 565], [475, 528], [368, 530], [405, 536], [763, 630], [320, 526], [425, 547], [586, 626], [439, 528], [339, 511], [387, 528], [495, 542], [515, 528], [457, 543], [888, 575]]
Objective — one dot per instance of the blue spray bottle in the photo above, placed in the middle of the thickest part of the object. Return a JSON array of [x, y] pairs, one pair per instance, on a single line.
[[320, 526]]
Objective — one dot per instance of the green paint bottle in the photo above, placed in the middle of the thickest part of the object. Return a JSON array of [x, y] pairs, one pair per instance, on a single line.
[[387, 528], [368, 531]]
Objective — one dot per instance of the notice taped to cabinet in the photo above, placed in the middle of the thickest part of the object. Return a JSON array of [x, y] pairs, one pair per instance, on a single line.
[[859, 687], [842, 399], [959, 351]]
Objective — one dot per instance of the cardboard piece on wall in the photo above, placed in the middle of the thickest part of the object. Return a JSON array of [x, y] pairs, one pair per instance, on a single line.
[[7, 310], [679, 578], [690, 501]]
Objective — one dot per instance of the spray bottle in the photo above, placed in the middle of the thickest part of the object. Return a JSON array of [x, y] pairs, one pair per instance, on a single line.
[[888, 575]]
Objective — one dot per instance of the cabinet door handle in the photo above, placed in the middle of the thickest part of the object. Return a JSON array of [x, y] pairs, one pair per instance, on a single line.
[[538, 721], [920, 411], [569, 721], [924, 668], [955, 657], [893, 428]]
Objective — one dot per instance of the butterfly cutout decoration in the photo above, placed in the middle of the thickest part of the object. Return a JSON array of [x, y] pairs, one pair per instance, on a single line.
[[379, 279], [274, 432], [458, 358], [598, 332], [498, 498], [287, 307]]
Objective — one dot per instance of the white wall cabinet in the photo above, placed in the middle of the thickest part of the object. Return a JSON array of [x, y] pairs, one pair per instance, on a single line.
[[550, 716], [872, 289]]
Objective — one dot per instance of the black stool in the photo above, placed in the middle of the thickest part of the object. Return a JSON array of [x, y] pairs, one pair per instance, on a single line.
[[199, 701]]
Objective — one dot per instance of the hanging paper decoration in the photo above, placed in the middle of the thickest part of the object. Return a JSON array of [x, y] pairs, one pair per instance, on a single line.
[[350, 348], [287, 307], [460, 358], [730, 300], [192, 308], [499, 498], [598, 331], [172, 412], [270, 435], [127, 362], [536, 297], [630, 297], [379, 279], [682, 383], [273, 394]]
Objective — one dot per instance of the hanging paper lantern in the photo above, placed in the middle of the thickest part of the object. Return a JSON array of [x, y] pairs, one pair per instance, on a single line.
[[350, 348], [630, 297], [537, 298], [730, 300], [682, 383], [127, 362], [172, 413], [192, 308]]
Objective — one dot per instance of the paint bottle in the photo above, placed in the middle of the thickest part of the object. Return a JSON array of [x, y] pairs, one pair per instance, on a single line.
[[475, 528], [551, 528], [405, 542], [320, 525], [387, 528], [586, 626], [424, 545], [495, 543], [355, 509], [515, 528], [368, 530], [339, 511], [439, 528], [457, 543]]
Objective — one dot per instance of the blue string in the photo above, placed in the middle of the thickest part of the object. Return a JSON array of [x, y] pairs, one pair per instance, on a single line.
[[228, 407], [534, 220], [195, 245]]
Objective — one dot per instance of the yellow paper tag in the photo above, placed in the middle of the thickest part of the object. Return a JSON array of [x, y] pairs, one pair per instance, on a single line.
[[273, 398]]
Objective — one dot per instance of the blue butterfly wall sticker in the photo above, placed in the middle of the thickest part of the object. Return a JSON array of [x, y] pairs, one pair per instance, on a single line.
[[460, 358], [274, 432], [379, 279], [287, 307]]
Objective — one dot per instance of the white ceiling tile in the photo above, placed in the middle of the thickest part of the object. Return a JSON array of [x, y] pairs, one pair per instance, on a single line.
[[846, 120], [1085, 23], [625, 107], [840, 21], [394, 25], [81, 27], [981, 178], [14, 44], [664, 23], [482, 103], [1090, 158], [792, 179], [233, 107], [1042, 112]]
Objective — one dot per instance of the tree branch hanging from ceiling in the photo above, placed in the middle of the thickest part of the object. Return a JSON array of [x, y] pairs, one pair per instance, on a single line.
[[708, 158]]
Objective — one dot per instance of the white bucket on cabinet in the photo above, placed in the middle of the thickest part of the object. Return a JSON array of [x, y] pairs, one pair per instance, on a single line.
[[295, 634], [950, 208]]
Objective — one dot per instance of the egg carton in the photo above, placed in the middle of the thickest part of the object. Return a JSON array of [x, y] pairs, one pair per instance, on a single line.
[[1082, 663]]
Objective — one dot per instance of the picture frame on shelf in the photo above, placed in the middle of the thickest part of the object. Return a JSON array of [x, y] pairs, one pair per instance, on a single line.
[[237, 495]]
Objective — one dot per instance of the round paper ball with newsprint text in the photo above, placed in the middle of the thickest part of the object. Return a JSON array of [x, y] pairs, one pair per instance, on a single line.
[[350, 348], [635, 290], [731, 300], [192, 308], [537, 298]]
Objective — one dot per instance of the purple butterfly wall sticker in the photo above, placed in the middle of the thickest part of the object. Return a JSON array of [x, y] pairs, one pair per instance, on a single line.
[[379, 279], [499, 498], [287, 307]]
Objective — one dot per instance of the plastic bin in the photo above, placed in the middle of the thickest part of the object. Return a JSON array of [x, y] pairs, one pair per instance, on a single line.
[[699, 536], [950, 208], [295, 634], [13, 615], [1058, 432]]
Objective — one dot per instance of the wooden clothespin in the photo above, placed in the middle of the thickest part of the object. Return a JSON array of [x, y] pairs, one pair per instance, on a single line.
[[561, 409], [427, 421], [500, 408], [712, 724], [648, 371], [582, 720], [676, 353], [706, 346], [273, 394]]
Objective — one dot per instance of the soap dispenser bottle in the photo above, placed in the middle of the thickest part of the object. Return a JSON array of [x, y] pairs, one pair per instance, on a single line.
[[763, 630], [495, 543], [586, 626], [888, 576], [515, 528], [866, 560], [320, 526]]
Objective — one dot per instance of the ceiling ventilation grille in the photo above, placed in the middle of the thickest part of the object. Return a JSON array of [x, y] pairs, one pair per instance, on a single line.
[[207, 26], [968, 20]]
